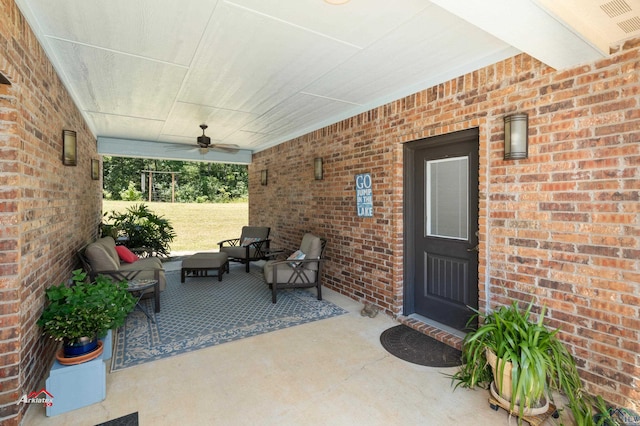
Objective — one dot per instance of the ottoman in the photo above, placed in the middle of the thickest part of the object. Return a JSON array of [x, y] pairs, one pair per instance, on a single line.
[[199, 264]]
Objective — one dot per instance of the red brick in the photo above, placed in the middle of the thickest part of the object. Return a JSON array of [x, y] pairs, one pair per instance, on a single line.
[[30, 229]]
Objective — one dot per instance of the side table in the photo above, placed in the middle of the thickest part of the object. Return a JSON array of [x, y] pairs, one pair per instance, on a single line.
[[139, 286]]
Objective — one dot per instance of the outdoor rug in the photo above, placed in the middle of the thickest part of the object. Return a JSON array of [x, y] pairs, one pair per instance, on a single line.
[[204, 312], [418, 348]]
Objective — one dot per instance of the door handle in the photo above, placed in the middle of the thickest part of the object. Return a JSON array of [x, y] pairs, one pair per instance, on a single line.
[[476, 248]]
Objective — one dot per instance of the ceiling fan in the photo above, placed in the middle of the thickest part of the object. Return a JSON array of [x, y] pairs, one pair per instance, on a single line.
[[204, 144]]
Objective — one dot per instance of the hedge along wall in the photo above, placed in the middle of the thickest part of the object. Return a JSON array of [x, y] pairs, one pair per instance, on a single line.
[[47, 210], [560, 228]]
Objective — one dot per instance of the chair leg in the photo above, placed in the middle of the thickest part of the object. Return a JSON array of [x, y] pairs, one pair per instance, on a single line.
[[319, 287], [274, 294], [156, 296], [247, 267]]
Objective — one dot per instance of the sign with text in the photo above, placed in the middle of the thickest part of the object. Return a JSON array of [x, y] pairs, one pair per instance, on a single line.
[[364, 195]]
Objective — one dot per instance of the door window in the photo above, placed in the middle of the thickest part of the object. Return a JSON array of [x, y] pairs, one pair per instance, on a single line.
[[447, 199]]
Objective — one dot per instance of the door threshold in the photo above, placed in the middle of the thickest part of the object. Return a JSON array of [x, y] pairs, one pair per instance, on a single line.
[[443, 327], [438, 331]]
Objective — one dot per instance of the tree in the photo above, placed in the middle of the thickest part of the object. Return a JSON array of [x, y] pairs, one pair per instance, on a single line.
[[196, 181]]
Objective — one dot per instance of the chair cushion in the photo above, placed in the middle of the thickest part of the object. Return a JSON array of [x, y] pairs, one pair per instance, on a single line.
[[205, 260], [285, 272], [99, 259], [311, 246], [148, 265], [109, 245], [237, 252], [260, 232], [126, 255]]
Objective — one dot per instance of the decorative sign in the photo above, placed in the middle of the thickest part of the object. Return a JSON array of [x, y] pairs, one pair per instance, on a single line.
[[364, 195]]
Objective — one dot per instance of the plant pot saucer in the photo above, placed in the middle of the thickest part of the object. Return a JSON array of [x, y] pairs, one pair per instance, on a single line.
[[79, 359]]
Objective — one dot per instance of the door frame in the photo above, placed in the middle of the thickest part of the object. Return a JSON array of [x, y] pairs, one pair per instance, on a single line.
[[409, 204]]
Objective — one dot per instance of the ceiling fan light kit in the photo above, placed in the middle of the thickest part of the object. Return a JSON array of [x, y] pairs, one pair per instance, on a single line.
[[204, 140], [204, 144]]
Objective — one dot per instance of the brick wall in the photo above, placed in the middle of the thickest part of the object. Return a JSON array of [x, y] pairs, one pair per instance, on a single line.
[[561, 228], [47, 210]]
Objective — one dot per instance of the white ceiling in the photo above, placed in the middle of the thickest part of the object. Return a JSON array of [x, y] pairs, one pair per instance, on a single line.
[[147, 73]]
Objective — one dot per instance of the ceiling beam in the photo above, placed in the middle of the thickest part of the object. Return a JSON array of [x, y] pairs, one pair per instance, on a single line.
[[168, 151], [527, 26]]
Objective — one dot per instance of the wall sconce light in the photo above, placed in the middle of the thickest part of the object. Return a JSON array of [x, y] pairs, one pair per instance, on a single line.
[[263, 177], [69, 148], [516, 136], [317, 168], [95, 169]]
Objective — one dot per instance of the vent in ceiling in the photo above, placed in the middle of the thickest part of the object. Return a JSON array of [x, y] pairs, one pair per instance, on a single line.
[[615, 8], [630, 25]]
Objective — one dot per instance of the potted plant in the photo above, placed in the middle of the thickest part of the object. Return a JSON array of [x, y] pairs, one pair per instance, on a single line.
[[143, 229], [521, 361], [80, 313]]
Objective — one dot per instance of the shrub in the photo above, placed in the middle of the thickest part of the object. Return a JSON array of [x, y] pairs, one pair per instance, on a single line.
[[131, 193], [142, 229]]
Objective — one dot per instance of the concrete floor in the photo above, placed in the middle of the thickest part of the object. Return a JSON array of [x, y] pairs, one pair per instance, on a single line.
[[329, 372]]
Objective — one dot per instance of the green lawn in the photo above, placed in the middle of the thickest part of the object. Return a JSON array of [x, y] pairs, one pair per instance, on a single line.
[[198, 226]]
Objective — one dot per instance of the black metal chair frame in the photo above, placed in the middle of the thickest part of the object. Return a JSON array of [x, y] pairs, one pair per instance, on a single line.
[[299, 274], [261, 250]]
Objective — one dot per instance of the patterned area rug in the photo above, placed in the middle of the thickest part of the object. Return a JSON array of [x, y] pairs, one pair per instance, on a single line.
[[204, 312]]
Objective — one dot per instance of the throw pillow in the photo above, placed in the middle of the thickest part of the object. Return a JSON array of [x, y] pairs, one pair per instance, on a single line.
[[248, 241], [296, 255], [126, 255]]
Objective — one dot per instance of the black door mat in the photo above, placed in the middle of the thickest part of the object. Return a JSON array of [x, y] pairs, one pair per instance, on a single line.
[[128, 420], [418, 348]]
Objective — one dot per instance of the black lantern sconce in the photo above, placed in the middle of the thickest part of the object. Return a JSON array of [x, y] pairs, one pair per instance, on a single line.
[[516, 136], [317, 168], [263, 177]]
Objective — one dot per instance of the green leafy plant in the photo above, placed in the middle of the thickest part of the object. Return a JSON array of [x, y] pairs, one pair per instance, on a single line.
[[142, 228], [131, 193], [539, 361], [85, 309]]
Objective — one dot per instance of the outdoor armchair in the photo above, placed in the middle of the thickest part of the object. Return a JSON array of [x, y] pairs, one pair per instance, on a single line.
[[102, 258], [252, 245], [303, 269]]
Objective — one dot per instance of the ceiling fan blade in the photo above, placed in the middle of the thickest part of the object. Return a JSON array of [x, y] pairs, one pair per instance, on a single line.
[[182, 148], [232, 149]]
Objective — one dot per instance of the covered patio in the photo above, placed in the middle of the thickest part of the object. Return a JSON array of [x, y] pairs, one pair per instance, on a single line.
[[329, 372], [382, 94]]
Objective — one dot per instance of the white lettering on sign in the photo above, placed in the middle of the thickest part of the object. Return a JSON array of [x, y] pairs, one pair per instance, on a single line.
[[364, 195]]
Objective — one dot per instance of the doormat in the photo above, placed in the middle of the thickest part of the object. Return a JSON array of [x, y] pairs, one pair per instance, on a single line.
[[418, 348], [128, 420]]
